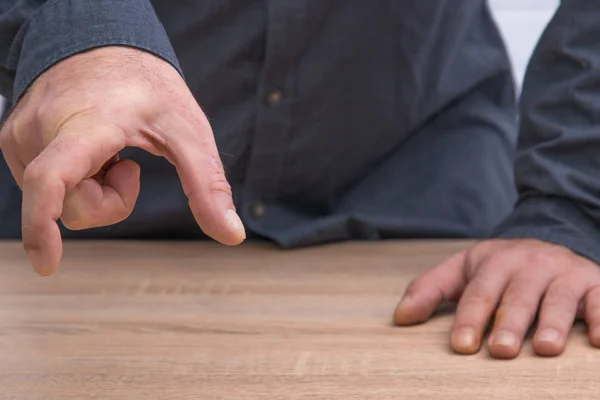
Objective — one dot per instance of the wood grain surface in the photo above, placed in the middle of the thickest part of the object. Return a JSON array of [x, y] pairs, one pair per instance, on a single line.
[[201, 321]]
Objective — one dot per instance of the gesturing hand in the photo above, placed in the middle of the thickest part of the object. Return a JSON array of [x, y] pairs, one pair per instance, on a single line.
[[63, 138], [513, 279]]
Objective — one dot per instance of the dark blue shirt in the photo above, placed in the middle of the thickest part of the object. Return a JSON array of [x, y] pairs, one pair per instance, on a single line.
[[348, 119]]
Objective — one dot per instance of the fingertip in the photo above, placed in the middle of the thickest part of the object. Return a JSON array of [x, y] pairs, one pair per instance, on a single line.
[[465, 341], [549, 343], [594, 335], [410, 311], [224, 227], [44, 251], [124, 178], [504, 344], [237, 232], [402, 313], [424, 294], [131, 166], [39, 263]]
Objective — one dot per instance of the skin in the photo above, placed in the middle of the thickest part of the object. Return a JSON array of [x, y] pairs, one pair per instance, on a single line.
[[62, 144], [63, 139], [508, 283]]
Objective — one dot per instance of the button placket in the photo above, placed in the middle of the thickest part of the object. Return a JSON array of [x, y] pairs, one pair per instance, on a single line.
[[275, 94]]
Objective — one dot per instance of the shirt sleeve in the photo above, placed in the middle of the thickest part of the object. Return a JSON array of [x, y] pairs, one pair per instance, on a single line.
[[34, 35], [558, 159]]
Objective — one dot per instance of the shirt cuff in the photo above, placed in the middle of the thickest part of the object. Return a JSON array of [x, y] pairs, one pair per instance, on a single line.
[[555, 220], [62, 28]]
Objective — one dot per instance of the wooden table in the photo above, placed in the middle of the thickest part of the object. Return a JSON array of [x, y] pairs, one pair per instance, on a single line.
[[201, 321]]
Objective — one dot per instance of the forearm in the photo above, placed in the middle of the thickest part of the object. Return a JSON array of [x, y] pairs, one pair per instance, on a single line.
[[36, 35], [558, 168]]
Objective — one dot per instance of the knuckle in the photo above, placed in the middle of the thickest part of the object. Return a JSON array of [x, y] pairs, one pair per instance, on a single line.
[[484, 248], [478, 299], [4, 135], [7, 127], [477, 266], [480, 246], [515, 300], [539, 259], [34, 174], [481, 256], [471, 258], [479, 294], [221, 187], [43, 111], [142, 94], [560, 292], [218, 184], [13, 131], [472, 263]]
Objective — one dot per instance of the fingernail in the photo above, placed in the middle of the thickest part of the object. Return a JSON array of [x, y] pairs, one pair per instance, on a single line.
[[400, 312], [504, 338], [234, 221], [405, 301], [549, 335], [464, 338], [37, 261]]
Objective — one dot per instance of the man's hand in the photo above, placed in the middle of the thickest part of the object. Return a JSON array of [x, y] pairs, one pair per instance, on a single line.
[[63, 139], [513, 279]]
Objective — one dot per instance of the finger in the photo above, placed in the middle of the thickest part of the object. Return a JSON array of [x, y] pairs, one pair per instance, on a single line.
[[517, 311], [426, 293], [77, 153], [99, 176], [196, 158], [557, 313], [592, 314], [476, 306], [92, 204]]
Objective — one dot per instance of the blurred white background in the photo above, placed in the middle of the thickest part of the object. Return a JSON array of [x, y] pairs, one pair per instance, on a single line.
[[521, 23]]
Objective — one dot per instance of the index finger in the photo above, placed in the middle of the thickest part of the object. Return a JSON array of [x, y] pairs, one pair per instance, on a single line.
[[65, 162], [443, 283]]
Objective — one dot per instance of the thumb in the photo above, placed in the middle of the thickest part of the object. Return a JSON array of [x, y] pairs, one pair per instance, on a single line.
[[194, 154], [443, 283], [211, 202]]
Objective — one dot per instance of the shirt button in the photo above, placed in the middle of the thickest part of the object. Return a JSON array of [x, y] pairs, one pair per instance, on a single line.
[[274, 97], [258, 210]]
